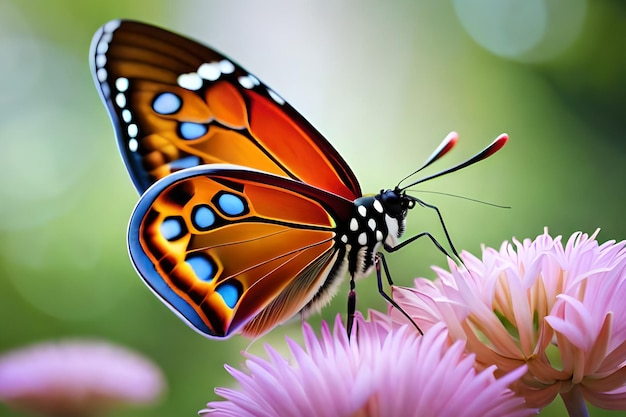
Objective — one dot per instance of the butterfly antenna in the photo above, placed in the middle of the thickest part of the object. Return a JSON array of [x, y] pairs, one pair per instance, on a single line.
[[494, 147], [462, 197], [446, 145]]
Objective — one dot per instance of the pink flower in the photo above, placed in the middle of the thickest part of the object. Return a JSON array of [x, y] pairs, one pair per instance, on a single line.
[[378, 373], [559, 310], [76, 378]]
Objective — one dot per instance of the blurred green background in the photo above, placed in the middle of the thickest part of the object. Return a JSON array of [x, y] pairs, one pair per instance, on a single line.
[[383, 81]]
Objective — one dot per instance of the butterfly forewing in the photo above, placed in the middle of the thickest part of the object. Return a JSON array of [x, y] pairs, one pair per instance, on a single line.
[[224, 245], [177, 104]]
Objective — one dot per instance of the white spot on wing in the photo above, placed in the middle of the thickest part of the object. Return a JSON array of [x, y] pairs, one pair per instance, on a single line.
[[120, 100], [103, 46], [362, 239], [254, 79], [362, 210], [127, 116], [354, 224], [246, 82], [372, 224], [101, 60], [278, 99], [121, 84], [226, 66], [107, 38], [210, 72], [344, 238], [377, 206], [112, 25], [133, 145], [379, 235], [101, 74], [132, 130], [191, 81]]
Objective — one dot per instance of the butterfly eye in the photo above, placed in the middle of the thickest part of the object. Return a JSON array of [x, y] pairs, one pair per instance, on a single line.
[[394, 203]]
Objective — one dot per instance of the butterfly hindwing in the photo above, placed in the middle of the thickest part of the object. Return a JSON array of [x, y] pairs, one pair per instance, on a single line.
[[231, 249], [177, 104]]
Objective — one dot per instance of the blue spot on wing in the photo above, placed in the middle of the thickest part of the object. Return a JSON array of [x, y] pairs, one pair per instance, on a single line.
[[166, 103], [230, 293], [186, 162], [173, 228], [190, 130], [202, 217], [231, 204], [202, 266]]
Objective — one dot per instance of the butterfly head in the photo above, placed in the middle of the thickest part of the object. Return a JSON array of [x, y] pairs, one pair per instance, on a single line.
[[395, 203]]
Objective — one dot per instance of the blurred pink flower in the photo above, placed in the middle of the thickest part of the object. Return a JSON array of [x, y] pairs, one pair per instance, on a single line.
[[379, 373], [559, 310], [76, 378]]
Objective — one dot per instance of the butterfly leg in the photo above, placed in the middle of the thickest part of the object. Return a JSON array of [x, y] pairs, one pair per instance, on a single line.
[[431, 237], [380, 259], [351, 307], [414, 238]]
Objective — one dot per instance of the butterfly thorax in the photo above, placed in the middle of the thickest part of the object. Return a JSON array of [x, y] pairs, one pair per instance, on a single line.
[[376, 220]]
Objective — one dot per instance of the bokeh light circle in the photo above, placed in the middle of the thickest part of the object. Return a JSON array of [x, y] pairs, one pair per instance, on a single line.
[[523, 30]]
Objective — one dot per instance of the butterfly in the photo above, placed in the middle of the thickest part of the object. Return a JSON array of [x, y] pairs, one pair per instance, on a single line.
[[247, 215]]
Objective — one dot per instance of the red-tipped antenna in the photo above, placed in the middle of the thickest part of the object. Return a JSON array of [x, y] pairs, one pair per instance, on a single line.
[[444, 147], [494, 147]]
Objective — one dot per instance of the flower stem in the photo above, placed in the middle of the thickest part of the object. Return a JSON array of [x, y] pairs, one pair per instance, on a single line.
[[575, 402]]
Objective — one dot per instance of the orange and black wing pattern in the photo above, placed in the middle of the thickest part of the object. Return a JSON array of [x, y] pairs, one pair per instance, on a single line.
[[234, 250], [176, 104]]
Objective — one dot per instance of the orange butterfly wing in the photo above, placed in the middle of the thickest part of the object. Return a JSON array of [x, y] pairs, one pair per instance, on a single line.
[[177, 104], [231, 249]]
